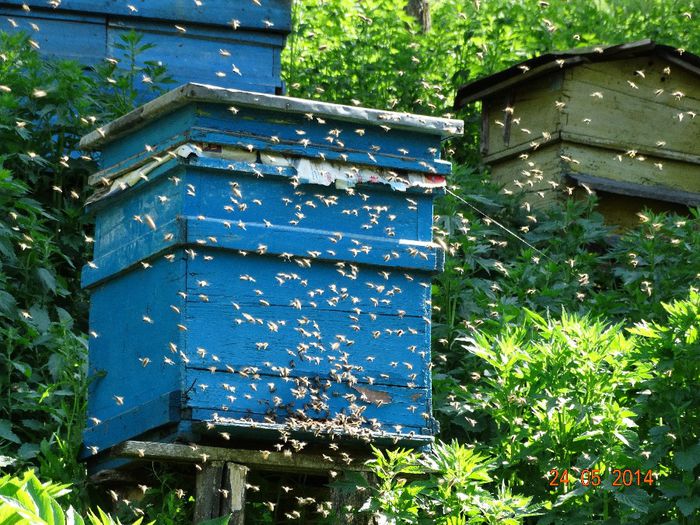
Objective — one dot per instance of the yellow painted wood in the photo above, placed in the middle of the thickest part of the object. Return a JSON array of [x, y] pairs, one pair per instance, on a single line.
[[534, 109], [533, 175], [605, 163], [613, 125], [615, 74], [626, 118], [622, 210]]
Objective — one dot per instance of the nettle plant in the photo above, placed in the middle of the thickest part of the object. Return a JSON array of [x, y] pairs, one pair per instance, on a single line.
[[452, 484]]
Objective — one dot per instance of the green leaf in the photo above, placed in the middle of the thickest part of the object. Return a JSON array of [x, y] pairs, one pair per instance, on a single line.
[[6, 431], [634, 498], [8, 304], [688, 506], [47, 279], [688, 459], [28, 451], [40, 317]]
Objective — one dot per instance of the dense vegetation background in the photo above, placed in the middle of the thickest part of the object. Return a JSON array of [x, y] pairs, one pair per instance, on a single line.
[[575, 351]]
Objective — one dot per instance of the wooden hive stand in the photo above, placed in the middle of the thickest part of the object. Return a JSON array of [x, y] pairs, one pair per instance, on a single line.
[[222, 475]]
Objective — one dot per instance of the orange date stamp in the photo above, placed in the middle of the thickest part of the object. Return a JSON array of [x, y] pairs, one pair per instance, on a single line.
[[621, 477]]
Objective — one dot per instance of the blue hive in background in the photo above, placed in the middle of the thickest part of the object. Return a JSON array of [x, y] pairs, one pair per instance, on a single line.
[[262, 264], [232, 43]]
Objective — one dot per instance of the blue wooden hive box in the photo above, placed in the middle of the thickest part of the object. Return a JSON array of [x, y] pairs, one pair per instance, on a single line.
[[235, 43], [262, 264]]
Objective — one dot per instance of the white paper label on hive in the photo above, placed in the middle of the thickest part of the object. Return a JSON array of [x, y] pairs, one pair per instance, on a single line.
[[344, 176]]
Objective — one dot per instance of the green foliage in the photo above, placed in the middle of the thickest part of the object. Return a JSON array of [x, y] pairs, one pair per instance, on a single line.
[[24, 500], [450, 485], [45, 107], [669, 408], [531, 358]]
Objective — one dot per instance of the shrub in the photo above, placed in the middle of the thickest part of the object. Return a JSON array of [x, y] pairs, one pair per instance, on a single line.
[[450, 485]]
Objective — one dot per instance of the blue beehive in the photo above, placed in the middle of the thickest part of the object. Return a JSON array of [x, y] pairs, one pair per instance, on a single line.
[[197, 40], [262, 263]]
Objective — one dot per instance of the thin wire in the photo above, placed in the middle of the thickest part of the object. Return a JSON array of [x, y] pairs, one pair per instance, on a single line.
[[447, 190]]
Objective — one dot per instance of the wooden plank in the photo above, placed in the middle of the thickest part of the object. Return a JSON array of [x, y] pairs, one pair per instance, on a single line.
[[621, 211], [147, 416], [232, 399], [616, 75], [485, 129], [320, 151], [196, 55], [192, 92], [532, 175], [625, 113], [126, 350], [268, 131], [161, 134], [525, 147], [126, 221], [399, 254], [346, 503], [270, 15], [385, 360], [254, 459], [534, 111], [233, 493], [285, 242], [620, 145], [81, 38], [370, 212], [660, 193], [260, 283], [534, 73], [208, 495], [672, 174]]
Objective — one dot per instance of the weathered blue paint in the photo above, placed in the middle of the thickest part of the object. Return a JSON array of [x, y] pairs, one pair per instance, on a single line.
[[89, 30], [263, 298], [273, 15]]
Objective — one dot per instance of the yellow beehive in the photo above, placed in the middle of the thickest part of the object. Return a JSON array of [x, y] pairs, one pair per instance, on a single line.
[[619, 120]]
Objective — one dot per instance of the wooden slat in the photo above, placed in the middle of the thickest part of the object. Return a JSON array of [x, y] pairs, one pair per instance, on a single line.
[[208, 491], [520, 79], [620, 145], [674, 175], [655, 192], [211, 12], [126, 353], [233, 494], [231, 396], [81, 38], [147, 416], [254, 459], [195, 55], [210, 94]]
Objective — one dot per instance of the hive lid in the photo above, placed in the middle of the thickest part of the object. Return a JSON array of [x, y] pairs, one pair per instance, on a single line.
[[193, 92], [542, 64]]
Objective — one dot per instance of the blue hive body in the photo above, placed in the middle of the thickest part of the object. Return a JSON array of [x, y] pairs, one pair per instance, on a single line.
[[87, 30], [262, 263]]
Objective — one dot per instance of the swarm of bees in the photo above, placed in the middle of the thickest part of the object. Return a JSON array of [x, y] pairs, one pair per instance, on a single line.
[[335, 343]]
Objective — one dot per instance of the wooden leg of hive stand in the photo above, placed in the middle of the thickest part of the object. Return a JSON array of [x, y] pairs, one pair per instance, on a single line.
[[207, 500], [347, 503], [234, 481], [220, 491]]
